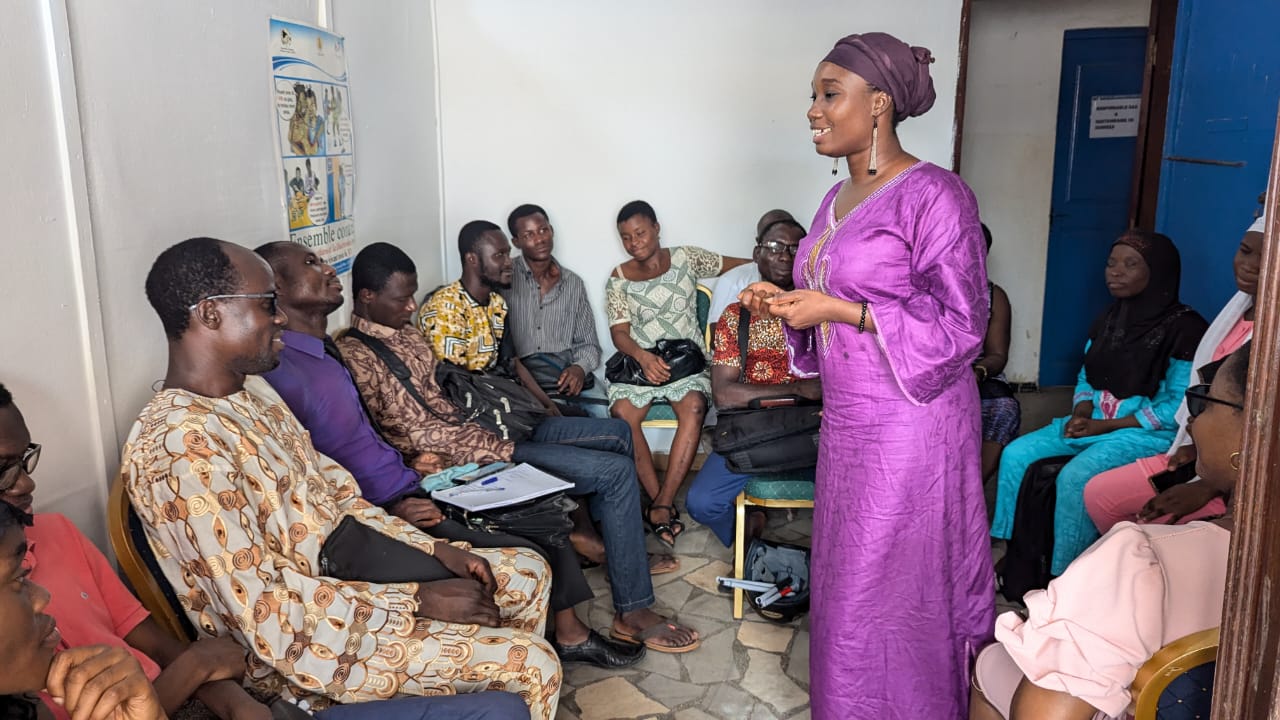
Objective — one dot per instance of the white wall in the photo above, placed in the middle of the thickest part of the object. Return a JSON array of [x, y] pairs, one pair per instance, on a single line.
[[1011, 107], [51, 321], [698, 108]]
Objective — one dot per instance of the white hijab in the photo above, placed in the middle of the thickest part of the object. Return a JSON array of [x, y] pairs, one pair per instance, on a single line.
[[1213, 337]]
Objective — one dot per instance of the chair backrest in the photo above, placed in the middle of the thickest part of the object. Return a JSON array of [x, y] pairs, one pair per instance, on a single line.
[[129, 541], [1177, 682], [704, 311]]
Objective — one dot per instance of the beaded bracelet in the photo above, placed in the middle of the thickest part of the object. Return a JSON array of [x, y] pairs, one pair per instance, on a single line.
[[862, 321]]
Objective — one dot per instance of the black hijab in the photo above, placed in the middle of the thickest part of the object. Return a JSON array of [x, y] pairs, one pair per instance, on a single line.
[[1136, 337]]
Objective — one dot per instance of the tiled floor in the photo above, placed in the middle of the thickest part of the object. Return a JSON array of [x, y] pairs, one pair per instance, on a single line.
[[745, 670]]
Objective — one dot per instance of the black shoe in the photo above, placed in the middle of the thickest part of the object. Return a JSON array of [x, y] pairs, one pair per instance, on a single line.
[[600, 651]]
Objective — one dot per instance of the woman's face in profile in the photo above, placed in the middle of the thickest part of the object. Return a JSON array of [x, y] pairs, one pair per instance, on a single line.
[[28, 637]]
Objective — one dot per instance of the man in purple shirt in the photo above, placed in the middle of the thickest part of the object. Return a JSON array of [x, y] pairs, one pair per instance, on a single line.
[[318, 389]]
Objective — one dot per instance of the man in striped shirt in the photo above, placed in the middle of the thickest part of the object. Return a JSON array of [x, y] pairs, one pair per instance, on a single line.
[[550, 320]]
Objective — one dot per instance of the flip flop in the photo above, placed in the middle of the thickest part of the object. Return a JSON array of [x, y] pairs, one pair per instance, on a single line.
[[663, 571], [645, 637], [665, 532]]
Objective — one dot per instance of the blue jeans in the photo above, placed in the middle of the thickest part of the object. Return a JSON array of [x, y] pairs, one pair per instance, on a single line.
[[711, 496], [489, 705], [597, 456]]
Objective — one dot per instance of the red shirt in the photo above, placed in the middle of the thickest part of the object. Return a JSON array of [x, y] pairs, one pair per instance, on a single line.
[[767, 362], [87, 598]]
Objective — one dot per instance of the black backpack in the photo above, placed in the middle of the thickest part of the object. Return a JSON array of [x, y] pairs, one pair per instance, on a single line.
[[1029, 558]]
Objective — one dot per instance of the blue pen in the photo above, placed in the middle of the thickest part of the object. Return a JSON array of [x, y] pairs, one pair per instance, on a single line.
[[489, 481]]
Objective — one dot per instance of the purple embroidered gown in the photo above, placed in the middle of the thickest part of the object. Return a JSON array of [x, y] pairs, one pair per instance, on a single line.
[[903, 592]]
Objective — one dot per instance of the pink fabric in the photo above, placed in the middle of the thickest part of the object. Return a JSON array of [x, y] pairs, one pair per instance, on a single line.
[[903, 592], [1118, 495], [1241, 331], [86, 597], [1137, 589]]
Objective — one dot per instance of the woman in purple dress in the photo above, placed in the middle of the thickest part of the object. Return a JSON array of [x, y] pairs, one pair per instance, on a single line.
[[891, 309]]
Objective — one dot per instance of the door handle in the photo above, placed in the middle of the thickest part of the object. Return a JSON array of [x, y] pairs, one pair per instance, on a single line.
[[1204, 161]]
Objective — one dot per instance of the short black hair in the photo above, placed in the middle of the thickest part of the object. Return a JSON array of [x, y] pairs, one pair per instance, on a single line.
[[637, 207], [6, 398], [273, 251], [986, 233], [1238, 367], [185, 274], [470, 234], [375, 265], [523, 211], [785, 222]]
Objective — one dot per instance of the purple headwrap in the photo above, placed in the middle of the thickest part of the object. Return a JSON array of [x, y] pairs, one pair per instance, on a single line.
[[892, 66]]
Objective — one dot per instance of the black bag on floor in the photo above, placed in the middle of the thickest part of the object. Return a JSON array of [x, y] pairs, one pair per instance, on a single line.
[[769, 561], [1029, 558]]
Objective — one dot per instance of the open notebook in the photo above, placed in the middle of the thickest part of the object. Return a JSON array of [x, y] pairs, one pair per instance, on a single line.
[[510, 486]]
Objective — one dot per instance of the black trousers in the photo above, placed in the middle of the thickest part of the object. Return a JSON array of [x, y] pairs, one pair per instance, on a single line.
[[568, 585]]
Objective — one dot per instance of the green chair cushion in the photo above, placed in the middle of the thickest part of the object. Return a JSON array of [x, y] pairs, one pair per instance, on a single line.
[[660, 411], [797, 485]]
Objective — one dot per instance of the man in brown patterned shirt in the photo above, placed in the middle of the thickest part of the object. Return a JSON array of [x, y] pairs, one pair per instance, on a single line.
[[237, 503], [595, 454]]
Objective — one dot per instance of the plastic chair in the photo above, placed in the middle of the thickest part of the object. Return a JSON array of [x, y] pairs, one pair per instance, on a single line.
[[782, 490], [129, 541], [1177, 682]]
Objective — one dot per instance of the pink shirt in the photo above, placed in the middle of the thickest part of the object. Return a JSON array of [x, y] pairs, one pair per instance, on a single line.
[[1241, 331], [1137, 589], [87, 598]]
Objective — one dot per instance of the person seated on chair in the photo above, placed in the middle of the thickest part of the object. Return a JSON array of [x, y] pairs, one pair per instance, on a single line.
[[318, 389], [90, 681], [35, 650], [236, 503], [1001, 412], [651, 297], [593, 454], [734, 384], [93, 607], [550, 319], [1137, 364], [466, 320], [733, 282], [1137, 589], [1126, 493]]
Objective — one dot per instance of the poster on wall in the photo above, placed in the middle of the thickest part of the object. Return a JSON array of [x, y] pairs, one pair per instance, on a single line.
[[312, 103]]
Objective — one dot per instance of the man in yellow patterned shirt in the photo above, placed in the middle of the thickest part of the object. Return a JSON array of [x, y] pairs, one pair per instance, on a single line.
[[466, 320], [237, 503]]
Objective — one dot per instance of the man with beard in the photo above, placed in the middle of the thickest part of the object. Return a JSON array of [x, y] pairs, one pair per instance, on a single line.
[[237, 503]]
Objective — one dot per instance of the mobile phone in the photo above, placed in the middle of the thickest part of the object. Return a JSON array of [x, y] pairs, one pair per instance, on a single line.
[[777, 402], [1177, 476]]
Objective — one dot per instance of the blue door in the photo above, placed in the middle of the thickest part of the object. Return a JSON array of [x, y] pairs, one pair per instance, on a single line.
[[1098, 95], [1223, 92]]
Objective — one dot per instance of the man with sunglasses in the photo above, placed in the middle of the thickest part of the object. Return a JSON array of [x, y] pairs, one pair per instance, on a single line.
[[736, 381], [227, 481], [736, 280]]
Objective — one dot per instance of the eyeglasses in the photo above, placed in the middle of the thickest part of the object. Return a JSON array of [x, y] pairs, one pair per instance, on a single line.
[[273, 296], [27, 463], [1198, 400], [778, 248]]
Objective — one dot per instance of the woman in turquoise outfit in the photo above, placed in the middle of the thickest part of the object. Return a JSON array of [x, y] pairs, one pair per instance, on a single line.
[[1136, 368]]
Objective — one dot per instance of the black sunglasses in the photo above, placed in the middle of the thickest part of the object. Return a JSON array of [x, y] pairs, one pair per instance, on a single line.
[[1198, 398], [9, 471], [778, 248]]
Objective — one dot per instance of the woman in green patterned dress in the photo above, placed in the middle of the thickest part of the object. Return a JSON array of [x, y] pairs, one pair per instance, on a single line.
[[650, 297]]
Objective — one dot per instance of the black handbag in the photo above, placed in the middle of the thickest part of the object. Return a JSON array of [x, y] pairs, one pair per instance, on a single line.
[[545, 519], [682, 356], [763, 439], [1028, 560], [501, 406], [354, 551]]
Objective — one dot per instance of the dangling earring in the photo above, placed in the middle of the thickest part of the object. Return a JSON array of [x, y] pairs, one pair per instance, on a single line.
[[875, 136], [835, 166], [1235, 461]]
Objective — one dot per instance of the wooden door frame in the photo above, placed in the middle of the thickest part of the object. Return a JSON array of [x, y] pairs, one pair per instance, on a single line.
[[962, 79], [1245, 686], [1145, 192]]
